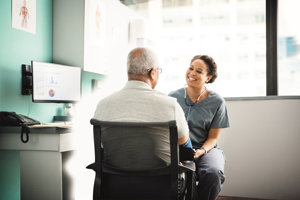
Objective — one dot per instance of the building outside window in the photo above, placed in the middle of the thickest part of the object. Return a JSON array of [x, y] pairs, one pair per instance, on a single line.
[[288, 47]]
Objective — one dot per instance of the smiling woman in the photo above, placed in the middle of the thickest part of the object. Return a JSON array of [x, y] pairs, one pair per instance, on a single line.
[[206, 114]]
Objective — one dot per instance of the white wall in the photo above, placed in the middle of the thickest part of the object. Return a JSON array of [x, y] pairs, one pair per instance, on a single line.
[[262, 147]]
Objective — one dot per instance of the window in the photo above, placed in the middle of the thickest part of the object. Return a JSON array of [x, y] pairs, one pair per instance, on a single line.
[[288, 47], [176, 3], [229, 31], [235, 36]]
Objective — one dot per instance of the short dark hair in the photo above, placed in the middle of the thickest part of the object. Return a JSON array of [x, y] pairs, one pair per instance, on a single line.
[[211, 64]]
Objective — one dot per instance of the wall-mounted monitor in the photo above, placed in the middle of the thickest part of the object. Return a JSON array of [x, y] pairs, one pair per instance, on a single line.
[[55, 83]]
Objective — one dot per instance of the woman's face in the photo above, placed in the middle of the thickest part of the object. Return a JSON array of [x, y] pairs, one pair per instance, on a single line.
[[196, 74]]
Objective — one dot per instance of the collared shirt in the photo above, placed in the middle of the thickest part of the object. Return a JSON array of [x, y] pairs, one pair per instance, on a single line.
[[138, 102]]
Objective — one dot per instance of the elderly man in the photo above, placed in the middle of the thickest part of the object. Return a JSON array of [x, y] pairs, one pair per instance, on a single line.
[[138, 101]]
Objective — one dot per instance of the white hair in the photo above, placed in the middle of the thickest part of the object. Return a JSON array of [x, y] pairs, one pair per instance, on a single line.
[[139, 60]]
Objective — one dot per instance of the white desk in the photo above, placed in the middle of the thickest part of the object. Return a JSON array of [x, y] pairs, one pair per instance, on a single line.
[[42, 160]]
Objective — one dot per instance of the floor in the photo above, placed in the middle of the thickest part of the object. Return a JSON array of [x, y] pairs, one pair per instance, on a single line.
[[236, 198]]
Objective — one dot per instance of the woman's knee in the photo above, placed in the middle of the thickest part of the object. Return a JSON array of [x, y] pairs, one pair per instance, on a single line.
[[212, 175]]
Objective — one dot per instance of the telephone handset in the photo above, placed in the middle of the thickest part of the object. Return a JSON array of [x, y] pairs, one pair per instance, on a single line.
[[13, 119]]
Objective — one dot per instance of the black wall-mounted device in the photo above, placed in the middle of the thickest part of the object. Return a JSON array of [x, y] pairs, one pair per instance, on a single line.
[[96, 85], [26, 80]]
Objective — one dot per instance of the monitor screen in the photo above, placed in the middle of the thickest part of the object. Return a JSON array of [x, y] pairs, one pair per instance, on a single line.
[[55, 83]]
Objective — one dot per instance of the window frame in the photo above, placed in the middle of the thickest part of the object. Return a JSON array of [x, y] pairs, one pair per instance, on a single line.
[[271, 57], [271, 48]]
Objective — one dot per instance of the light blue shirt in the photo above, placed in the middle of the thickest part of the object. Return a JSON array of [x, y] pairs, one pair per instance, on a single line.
[[209, 113]]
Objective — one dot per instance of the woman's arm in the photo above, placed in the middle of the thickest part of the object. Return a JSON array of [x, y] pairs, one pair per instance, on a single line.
[[210, 143]]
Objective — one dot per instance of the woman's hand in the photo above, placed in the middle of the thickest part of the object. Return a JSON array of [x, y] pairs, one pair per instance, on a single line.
[[198, 153], [210, 143]]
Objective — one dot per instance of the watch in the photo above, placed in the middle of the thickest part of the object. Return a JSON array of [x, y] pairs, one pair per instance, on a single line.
[[204, 149]]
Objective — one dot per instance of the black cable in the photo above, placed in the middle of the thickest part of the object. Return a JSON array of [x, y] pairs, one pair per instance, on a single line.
[[25, 130]]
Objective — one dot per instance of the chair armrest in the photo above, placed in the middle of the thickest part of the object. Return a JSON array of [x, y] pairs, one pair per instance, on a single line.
[[187, 166], [91, 166]]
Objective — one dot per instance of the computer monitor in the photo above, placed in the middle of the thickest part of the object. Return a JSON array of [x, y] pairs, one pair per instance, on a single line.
[[55, 83]]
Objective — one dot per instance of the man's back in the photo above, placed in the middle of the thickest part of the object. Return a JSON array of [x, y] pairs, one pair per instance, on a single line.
[[140, 103], [136, 102]]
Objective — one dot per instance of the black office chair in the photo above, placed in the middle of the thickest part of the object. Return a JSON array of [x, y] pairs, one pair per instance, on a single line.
[[126, 165]]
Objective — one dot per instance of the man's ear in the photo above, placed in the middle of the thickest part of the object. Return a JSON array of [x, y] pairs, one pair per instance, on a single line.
[[153, 78], [152, 74]]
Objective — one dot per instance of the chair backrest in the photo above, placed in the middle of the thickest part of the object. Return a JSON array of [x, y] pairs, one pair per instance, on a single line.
[[135, 160]]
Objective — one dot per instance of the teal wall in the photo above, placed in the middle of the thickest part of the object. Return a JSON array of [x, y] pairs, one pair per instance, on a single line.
[[17, 48], [9, 175]]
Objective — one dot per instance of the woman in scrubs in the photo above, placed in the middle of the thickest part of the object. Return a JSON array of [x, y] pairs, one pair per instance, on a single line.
[[206, 114]]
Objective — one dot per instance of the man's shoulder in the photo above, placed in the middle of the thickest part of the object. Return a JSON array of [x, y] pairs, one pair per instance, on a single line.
[[163, 97], [117, 95]]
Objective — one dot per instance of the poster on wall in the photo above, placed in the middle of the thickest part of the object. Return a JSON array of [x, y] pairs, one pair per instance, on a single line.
[[106, 36], [95, 21], [24, 15]]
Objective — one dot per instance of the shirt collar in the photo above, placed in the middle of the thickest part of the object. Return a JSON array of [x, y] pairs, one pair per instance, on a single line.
[[137, 84]]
